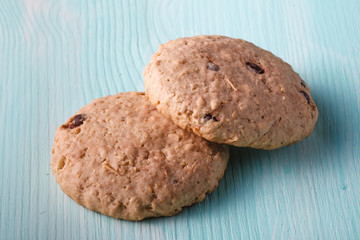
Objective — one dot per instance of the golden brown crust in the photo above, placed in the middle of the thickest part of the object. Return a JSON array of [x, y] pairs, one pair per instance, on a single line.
[[119, 156], [230, 91]]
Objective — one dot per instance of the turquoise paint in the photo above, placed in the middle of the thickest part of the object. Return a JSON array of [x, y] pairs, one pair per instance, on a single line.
[[56, 56]]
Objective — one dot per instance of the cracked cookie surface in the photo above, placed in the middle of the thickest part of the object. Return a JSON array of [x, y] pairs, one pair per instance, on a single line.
[[119, 156], [230, 91]]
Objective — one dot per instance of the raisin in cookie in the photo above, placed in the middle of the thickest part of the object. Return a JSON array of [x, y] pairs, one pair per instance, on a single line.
[[119, 156], [230, 91]]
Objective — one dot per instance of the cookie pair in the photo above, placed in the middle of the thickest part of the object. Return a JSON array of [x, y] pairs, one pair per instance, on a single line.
[[124, 157]]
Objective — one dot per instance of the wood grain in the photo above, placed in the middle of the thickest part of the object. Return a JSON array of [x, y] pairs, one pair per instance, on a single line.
[[57, 55]]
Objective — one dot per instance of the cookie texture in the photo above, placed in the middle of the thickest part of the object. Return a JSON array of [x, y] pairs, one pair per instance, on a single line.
[[119, 156], [230, 91]]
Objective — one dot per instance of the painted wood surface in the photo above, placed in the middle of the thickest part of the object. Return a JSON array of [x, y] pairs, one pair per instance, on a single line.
[[58, 55]]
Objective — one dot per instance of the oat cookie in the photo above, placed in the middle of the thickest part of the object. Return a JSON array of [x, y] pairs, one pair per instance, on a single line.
[[230, 91], [119, 156]]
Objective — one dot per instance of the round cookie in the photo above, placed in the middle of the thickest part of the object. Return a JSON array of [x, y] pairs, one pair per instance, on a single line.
[[119, 156], [230, 91]]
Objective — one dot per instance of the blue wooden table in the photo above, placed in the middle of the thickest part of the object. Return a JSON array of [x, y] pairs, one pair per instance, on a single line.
[[57, 55]]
